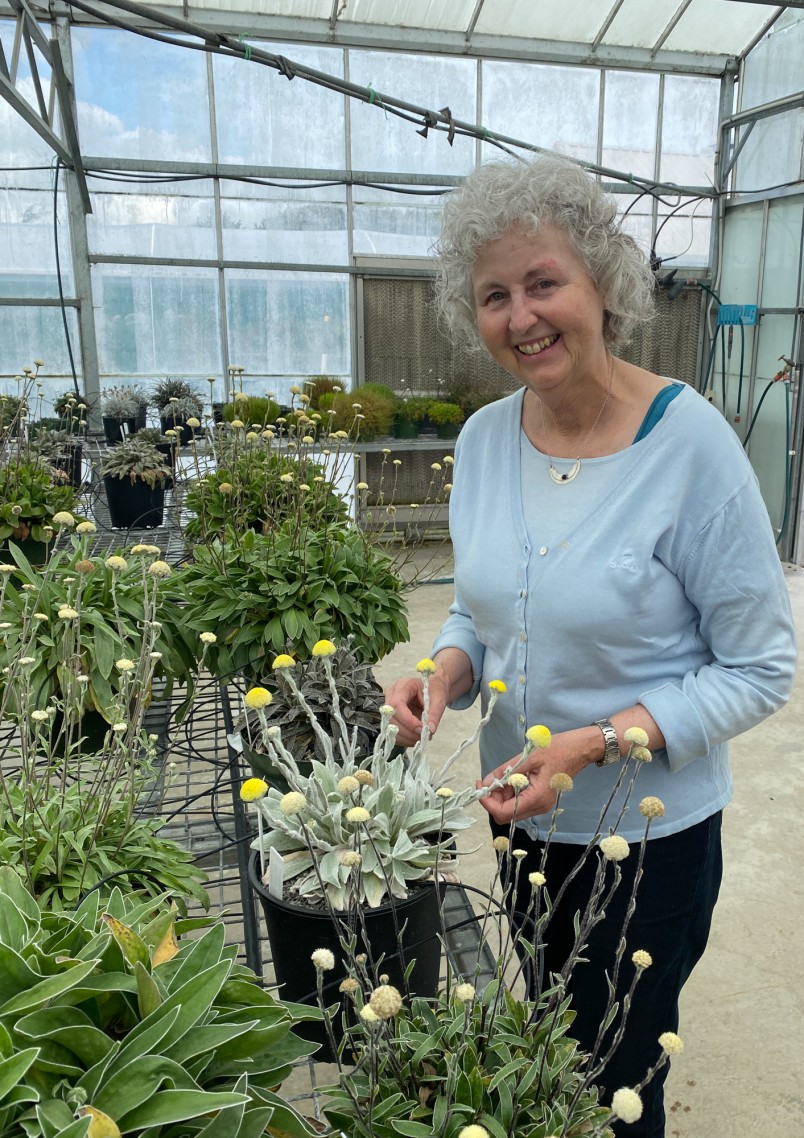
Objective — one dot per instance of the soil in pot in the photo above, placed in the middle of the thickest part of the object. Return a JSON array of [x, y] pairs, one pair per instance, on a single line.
[[296, 932], [134, 505]]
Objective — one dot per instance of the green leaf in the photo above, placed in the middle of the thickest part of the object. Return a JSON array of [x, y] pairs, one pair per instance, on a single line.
[[135, 1084], [104, 650], [148, 995], [39, 994], [412, 1129], [12, 1070], [177, 1106], [132, 946]]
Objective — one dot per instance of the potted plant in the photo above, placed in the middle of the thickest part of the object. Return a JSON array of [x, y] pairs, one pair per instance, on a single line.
[[409, 411], [318, 385], [183, 417], [32, 494], [366, 415], [116, 1022], [359, 840], [12, 413], [447, 417], [134, 474], [254, 411], [119, 415], [63, 449], [142, 401]]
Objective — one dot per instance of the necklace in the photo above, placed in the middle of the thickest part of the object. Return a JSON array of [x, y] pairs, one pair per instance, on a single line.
[[556, 475]]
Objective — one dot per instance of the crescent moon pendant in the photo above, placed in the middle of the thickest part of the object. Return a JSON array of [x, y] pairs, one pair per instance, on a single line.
[[562, 479]]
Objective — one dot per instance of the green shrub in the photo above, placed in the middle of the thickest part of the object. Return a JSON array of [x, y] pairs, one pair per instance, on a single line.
[[377, 414], [442, 413], [254, 409]]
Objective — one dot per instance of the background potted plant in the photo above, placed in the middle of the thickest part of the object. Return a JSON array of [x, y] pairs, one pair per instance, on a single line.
[[63, 449], [365, 414], [176, 400], [12, 414], [134, 474], [32, 493], [142, 400], [409, 412], [118, 414], [447, 417], [255, 411]]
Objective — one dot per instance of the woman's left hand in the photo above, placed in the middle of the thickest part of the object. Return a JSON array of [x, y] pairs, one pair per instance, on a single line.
[[569, 752]]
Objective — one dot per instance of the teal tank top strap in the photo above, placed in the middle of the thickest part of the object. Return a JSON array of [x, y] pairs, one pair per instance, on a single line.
[[658, 408]]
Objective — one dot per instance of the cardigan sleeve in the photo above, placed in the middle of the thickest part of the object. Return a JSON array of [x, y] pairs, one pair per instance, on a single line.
[[458, 631], [732, 575]]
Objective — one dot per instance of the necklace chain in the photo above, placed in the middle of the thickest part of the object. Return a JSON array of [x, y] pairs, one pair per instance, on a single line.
[[559, 478]]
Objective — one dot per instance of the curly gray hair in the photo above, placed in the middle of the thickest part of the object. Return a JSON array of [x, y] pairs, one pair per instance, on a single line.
[[546, 191]]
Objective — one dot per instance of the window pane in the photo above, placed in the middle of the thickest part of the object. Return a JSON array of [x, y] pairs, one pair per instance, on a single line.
[[683, 233], [265, 120], [20, 145], [553, 107], [155, 321], [140, 99], [383, 141], [629, 139], [152, 225], [689, 129], [773, 69], [298, 226], [740, 260], [27, 251], [783, 255], [37, 333], [395, 225], [772, 155], [286, 326]]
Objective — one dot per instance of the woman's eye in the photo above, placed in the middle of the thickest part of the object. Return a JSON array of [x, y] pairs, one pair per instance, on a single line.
[[545, 284]]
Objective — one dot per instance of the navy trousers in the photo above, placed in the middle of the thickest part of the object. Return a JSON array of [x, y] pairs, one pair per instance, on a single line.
[[674, 905]]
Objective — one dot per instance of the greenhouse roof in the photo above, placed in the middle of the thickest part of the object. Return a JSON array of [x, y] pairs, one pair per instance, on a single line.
[[680, 35]]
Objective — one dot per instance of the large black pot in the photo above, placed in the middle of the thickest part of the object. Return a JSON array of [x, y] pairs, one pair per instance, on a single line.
[[71, 462], [134, 505], [113, 429], [296, 932], [179, 425]]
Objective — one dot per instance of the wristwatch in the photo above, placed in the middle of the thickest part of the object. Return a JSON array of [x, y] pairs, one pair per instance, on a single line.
[[612, 751]]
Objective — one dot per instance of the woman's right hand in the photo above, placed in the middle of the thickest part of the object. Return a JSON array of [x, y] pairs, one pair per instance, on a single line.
[[406, 696]]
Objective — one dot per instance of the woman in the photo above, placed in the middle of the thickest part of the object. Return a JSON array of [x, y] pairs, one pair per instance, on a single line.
[[615, 565]]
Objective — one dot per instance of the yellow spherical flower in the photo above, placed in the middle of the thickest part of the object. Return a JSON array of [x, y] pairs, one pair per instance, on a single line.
[[368, 1015], [538, 736], [237, 424], [225, 488], [159, 569], [208, 638], [448, 459], [86, 527], [323, 959], [561, 782], [425, 667], [641, 754], [519, 854], [670, 1043], [40, 616], [39, 716], [365, 778], [444, 792], [256, 698], [651, 807], [283, 661], [536, 879], [642, 959], [324, 648], [464, 992], [193, 422], [253, 789], [435, 465], [7, 567], [385, 1001], [286, 478], [614, 848], [64, 518], [67, 613], [473, 1131], [124, 664], [143, 547], [501, 845], [116, 564], [240, 397], [518, 781], [292, 803], [357, 815], [636, 735], [348, 784], [627, 1104], [498, 686], [362, 486]]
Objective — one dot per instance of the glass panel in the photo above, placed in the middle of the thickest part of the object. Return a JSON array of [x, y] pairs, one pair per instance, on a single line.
[[769, 441], [394, 225], [629, 122], [154, 321], [20, 145], [455, 16], [151, 225], [781, 286], [553, 107], [740, 259], [285, 225], [264, 120], [683, 236], [285, 326], [33, 333], [772, 154], [722, 26], [773, 69], [638, 221], [27, 251], [638, 24], [138, 98], [689, 129], [383, 141]]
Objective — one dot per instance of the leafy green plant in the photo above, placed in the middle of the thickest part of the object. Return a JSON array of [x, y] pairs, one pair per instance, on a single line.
[[263, 591], [364, 414], [116, 403], [377, 389], [172, 388], [112, 1023], [69, 404], [31, 494], [135, 458], [414, 407], [442, 413], [251, 410], [318, 385], [11, 407]]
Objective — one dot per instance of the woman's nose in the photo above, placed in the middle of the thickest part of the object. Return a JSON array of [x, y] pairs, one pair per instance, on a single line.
[[521, 313]]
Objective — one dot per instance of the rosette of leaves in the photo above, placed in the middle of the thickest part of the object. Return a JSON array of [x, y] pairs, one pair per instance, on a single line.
[[409, 828], [136, 459], [172, 388], [255, 497], [117, 403], [113, 1024], [493, 1062], [185, 407], [360, 699], [295, 584], [31, 494]]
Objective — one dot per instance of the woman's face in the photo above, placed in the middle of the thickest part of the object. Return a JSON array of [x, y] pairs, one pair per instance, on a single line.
[[538, 310]]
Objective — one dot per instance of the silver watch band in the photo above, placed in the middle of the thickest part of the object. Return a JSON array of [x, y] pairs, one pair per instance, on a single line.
[[611, 753]]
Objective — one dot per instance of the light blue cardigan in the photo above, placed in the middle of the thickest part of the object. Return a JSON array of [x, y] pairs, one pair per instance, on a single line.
[[653, 579]]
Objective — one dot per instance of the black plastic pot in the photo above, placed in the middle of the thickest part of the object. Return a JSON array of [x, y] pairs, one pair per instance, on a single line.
[[71, 462], [406, 429], [141, 418], [113, 429], [296, 932], [448, 430], [179, 425], [35, 552], [134, 504]]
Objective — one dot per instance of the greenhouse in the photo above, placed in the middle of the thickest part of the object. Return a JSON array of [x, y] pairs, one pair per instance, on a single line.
[[364, 361]]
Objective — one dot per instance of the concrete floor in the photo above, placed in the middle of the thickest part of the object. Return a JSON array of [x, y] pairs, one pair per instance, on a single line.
[[742, 1012]]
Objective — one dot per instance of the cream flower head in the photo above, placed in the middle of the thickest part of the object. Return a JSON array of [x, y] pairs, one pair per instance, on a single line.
[[627, 1104], [501, 845], [651, 807], [116, 564], [642, 959], [670, 1043], [561, 782], [518, 780], [385, 1002], [444, 792], [348, 784], [86, 527], [636, 735], [159, 569], [464, 992], [323, 959], [292, 803], [208, 638], [64, 518], [614, 848], [536, 879], [357, 815]]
